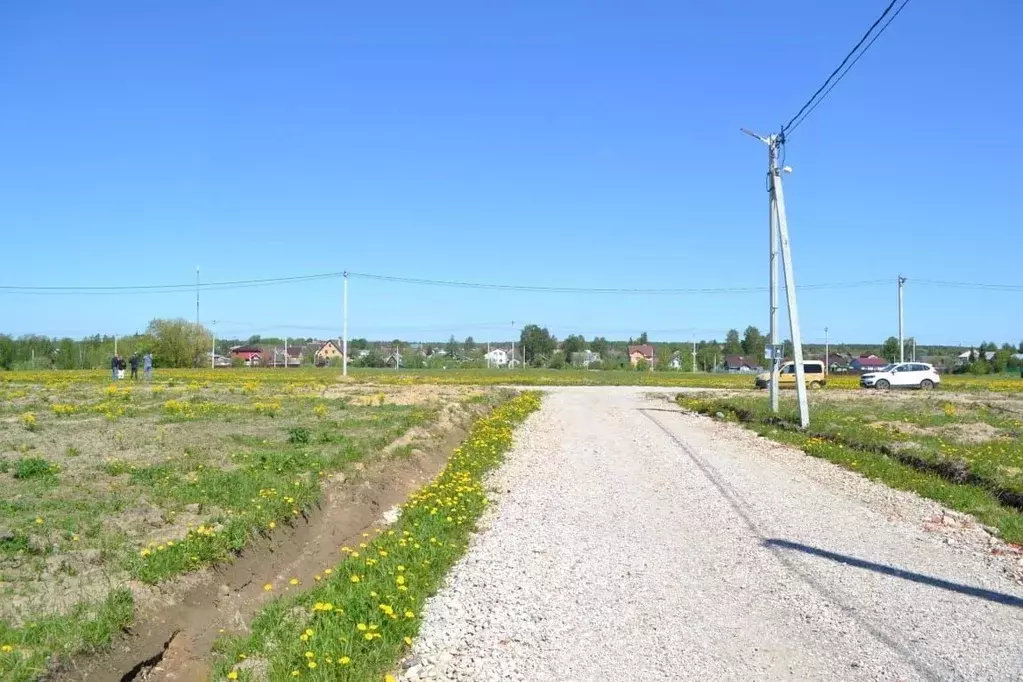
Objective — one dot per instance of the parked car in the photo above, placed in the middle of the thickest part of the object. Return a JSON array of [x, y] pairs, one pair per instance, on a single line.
[[902, 375], [813, 370]]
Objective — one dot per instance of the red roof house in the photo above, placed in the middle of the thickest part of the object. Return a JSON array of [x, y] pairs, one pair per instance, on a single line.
[[641, 352]]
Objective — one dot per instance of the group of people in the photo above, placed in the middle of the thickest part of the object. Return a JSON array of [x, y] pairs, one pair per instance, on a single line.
[[118, 365]]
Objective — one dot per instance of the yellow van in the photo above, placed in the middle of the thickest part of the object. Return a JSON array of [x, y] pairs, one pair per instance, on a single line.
[[816, 377]]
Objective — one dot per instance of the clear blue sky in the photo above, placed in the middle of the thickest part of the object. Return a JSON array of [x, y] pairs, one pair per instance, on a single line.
[[569, 143]]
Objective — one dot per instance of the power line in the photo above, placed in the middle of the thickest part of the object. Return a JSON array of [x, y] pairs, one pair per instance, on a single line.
[[852, 64], [166, 288], [828, 85], [968, 285], [603, 290]]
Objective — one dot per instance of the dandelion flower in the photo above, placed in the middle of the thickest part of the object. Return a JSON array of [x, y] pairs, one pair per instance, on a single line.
[[293, 581], [268, 587], [233, 675]]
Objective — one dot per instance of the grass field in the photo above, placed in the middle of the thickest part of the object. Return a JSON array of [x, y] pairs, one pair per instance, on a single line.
[[964, 450], [109, 486], [491, 377]]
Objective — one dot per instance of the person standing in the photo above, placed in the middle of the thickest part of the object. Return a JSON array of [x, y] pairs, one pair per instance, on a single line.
[[114, 362], [147, 366], [134, 362]]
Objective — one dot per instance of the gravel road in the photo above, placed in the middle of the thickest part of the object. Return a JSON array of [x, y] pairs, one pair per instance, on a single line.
[[631, 541]]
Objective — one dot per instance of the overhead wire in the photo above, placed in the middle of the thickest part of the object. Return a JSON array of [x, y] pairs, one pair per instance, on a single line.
[[792, 126], [824, 88], [605, 290]]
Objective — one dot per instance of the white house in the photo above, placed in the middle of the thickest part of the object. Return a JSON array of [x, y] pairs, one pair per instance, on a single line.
[[497, 357]]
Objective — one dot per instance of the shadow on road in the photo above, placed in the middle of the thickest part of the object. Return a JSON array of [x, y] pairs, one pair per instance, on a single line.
[[979, 593]]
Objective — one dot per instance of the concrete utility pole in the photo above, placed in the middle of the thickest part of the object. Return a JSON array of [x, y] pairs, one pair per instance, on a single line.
[[773, 276], [902, 346], [513, 342], [197, 296], [344, 332], [774, 142], [213, 350], [827, 354], [694, 352]]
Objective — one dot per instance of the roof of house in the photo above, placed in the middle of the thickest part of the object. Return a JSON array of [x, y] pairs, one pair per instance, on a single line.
[[246, 349], [871, 361], [738, 362], [645, 349]]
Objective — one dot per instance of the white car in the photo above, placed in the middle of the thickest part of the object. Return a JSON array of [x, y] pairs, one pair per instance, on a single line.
[[902, 375]]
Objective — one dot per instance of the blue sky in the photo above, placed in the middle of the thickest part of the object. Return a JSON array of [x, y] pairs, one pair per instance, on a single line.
[[561, 144]]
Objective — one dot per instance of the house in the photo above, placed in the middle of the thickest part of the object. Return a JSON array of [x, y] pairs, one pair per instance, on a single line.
[[220, 360], [968, 356], [327, 352], [252, 356], [736, 364], [838, 363], [643, 352], [867, 363], [497, 357], [676, 361], [584, 358], [290, 357], [395, 358]]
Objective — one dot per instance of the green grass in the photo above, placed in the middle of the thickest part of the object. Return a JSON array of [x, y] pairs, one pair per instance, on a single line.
[[359, 619], [149, 491], [979, 478], [28, 652]]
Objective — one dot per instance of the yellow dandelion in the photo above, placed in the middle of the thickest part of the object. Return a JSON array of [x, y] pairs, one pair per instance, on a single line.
[[294, 581], [268, 587], [233, 675]]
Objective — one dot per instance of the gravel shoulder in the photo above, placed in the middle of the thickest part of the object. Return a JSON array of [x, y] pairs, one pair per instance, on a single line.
[[631, 541]]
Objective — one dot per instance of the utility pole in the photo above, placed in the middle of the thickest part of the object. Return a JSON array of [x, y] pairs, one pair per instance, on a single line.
[[694, 351], [197, 296], [213, 350], [901, 346], [772, 221], [513, 340], [285, 352], [344, 332], [827, 354], [115, 344], [774, 142], [914, 349]]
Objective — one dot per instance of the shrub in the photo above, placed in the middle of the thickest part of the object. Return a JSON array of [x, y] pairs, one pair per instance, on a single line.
[[299, 435], [33, 467]]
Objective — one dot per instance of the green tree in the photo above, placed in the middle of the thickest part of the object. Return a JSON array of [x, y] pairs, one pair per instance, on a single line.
[[753, 344], [599, 346], [536, 342], [642, 340], [469, 346], [557, 361], [573, 343], [357, 344], [890, 349], [732, 344], [452, 347], [179, 343]]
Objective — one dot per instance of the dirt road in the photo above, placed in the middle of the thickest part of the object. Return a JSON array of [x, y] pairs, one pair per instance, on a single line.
[[633, 542]]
